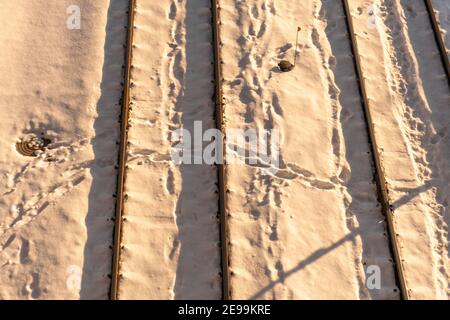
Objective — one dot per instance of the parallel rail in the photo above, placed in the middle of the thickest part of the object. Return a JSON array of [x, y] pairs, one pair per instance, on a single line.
[[439, 37], [222, 181], [218, 97], [115, 275], [221, 174], [379, 172]]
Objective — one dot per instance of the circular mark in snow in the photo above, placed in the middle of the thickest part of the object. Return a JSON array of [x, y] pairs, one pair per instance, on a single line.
[[30, 145]]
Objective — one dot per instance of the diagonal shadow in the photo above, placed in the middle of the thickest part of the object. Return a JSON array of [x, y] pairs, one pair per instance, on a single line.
[[411, 194], [302, 264]]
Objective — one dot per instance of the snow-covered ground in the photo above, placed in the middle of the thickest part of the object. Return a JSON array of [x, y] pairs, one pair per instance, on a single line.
[[63, 84], [409, 99], [314, 225], [171, 232]]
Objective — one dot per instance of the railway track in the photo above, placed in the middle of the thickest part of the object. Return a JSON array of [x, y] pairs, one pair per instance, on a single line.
[[115, 275], [221, 167], [218, 99], [379, 172], [221, 176], [439, 37]]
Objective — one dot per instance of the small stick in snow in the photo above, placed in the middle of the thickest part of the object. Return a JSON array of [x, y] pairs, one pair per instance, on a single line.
[[296, 46], [285, 65]]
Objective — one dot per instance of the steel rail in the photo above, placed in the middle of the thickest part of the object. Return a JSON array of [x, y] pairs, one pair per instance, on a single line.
[[115, 275], [221, 174], [439, 38], [379, 172]]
